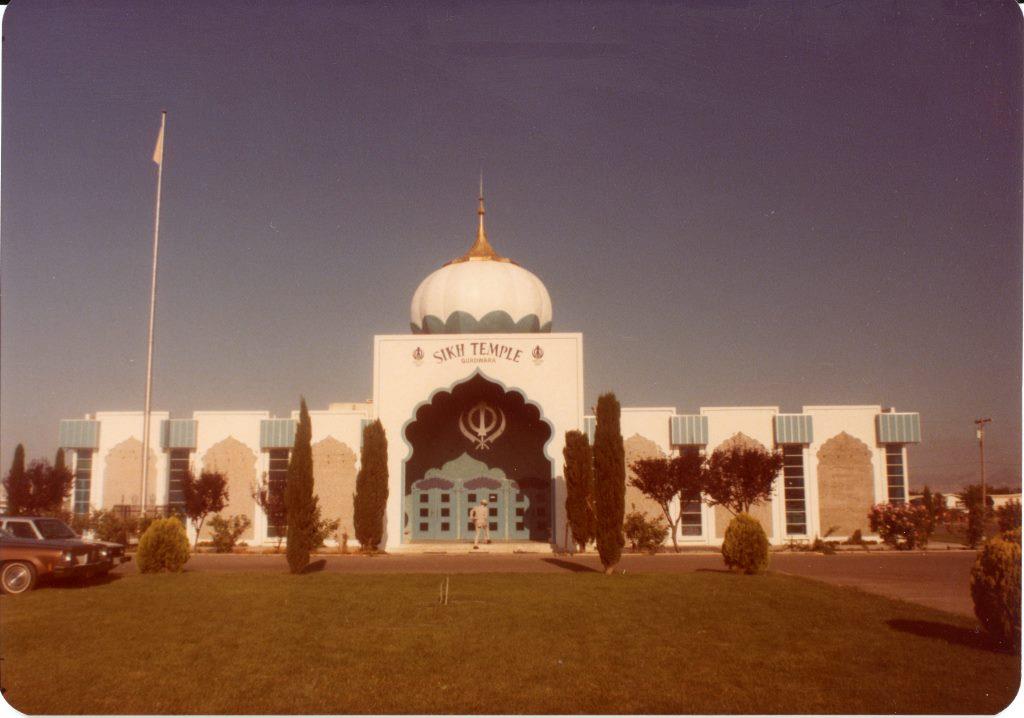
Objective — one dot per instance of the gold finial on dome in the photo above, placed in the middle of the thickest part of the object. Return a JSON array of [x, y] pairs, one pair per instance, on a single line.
[[481, 249]]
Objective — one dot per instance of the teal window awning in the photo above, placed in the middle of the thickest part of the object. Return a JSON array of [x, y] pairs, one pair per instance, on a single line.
[[590, 428], [79, 434], [903, 428], [688, 430], [178, 433], [794, 429], [277, 433]]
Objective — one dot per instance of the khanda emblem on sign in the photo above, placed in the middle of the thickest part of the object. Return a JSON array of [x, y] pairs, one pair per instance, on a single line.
[[482, 424]]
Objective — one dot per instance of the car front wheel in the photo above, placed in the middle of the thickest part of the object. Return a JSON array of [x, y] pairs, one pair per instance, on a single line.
[[17, 577]]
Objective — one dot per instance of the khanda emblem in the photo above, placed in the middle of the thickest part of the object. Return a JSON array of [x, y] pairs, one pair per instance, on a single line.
[[482, 424]]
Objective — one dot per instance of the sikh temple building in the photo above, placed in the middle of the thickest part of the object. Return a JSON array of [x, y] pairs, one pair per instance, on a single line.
[[475, 402]]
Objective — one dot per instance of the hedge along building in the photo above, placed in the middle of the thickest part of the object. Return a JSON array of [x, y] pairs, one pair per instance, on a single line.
[[476, 402]]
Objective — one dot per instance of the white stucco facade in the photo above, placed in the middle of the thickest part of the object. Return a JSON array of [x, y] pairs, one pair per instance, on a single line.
[[475, 404]]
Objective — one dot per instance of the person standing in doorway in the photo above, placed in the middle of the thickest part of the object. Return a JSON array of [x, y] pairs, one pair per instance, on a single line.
[[481, 521]]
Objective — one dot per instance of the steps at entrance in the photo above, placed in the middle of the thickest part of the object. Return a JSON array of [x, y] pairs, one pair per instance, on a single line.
[[464, 548]]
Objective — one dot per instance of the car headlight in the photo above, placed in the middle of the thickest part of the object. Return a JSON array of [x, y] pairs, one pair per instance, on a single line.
[[67, 557]]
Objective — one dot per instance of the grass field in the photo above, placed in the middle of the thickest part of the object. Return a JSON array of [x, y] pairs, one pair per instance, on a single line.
[[702, 642]]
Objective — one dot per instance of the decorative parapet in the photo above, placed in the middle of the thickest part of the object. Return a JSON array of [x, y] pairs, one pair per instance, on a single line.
[[794, 429], [688, 430], [903, 428], [79, 434]]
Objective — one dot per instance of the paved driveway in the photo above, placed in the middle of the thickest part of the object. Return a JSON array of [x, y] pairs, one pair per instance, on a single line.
[[939, 579]]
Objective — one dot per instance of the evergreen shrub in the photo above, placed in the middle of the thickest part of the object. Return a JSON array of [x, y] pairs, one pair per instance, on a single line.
[[579, 488], [995, 587], [745, 547], [643, 533], [226, 532], [299, 499], [371, 497], [609, 482], [164, 547]]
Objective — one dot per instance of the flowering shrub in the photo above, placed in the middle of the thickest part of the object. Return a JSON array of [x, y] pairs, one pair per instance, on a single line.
[[902, 526]]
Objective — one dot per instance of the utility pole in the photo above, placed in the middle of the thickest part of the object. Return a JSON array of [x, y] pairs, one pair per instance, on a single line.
[[981, 447]]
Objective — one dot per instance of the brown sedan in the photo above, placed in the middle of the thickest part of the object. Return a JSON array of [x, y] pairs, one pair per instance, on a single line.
[[24, 561]]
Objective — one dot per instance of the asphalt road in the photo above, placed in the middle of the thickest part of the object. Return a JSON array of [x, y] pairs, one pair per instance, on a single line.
[[939, 579]]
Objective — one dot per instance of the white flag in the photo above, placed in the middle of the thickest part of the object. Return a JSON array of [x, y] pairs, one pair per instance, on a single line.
[[158, 151]]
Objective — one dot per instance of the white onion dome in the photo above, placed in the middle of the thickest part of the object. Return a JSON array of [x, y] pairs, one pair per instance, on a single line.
[[481, 293]]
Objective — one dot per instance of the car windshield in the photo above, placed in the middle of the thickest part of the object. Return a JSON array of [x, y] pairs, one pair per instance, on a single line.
[[55, 529]]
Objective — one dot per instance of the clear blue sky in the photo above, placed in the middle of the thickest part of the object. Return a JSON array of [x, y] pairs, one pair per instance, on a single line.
[[735, 202]]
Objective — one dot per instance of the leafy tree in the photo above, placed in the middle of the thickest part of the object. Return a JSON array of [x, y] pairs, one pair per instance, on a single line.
[[271, 500], [371, 497], [934, 506], [741, 476], [666, 480], [1009, 516], [609, 481], [579, 488], [298, 494], [970, 496], [203, 496], [19, 494]]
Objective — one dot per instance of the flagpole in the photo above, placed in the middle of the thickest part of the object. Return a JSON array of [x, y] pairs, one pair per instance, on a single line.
[[158, 157]]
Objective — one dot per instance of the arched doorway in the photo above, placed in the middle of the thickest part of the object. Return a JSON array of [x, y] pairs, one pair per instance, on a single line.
[[472, 442]]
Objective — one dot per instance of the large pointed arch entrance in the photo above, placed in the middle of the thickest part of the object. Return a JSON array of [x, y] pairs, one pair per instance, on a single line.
[[476, 441]]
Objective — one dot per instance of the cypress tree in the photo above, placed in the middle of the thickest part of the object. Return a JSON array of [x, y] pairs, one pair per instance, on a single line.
[[609, 481], [59, 483], [371, 497], [16, 484], [298, 495], [579, 487]]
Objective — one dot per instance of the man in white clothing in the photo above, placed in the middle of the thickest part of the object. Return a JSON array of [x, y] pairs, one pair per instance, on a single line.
[[481, 521]]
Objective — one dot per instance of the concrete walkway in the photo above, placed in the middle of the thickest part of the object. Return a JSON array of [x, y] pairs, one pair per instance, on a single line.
[[939, 579]]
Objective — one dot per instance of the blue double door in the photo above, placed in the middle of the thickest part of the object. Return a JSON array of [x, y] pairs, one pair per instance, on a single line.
[[438, 513]]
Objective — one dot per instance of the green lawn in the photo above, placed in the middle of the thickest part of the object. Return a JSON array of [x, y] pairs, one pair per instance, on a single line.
[[703, 642]]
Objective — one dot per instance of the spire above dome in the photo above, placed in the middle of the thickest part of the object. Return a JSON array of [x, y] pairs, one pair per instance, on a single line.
[[481, 292], [481, 249]]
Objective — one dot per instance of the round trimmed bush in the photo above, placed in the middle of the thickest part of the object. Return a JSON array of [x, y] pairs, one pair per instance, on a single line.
[[745, 547], [164, 547], [995, 587]]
